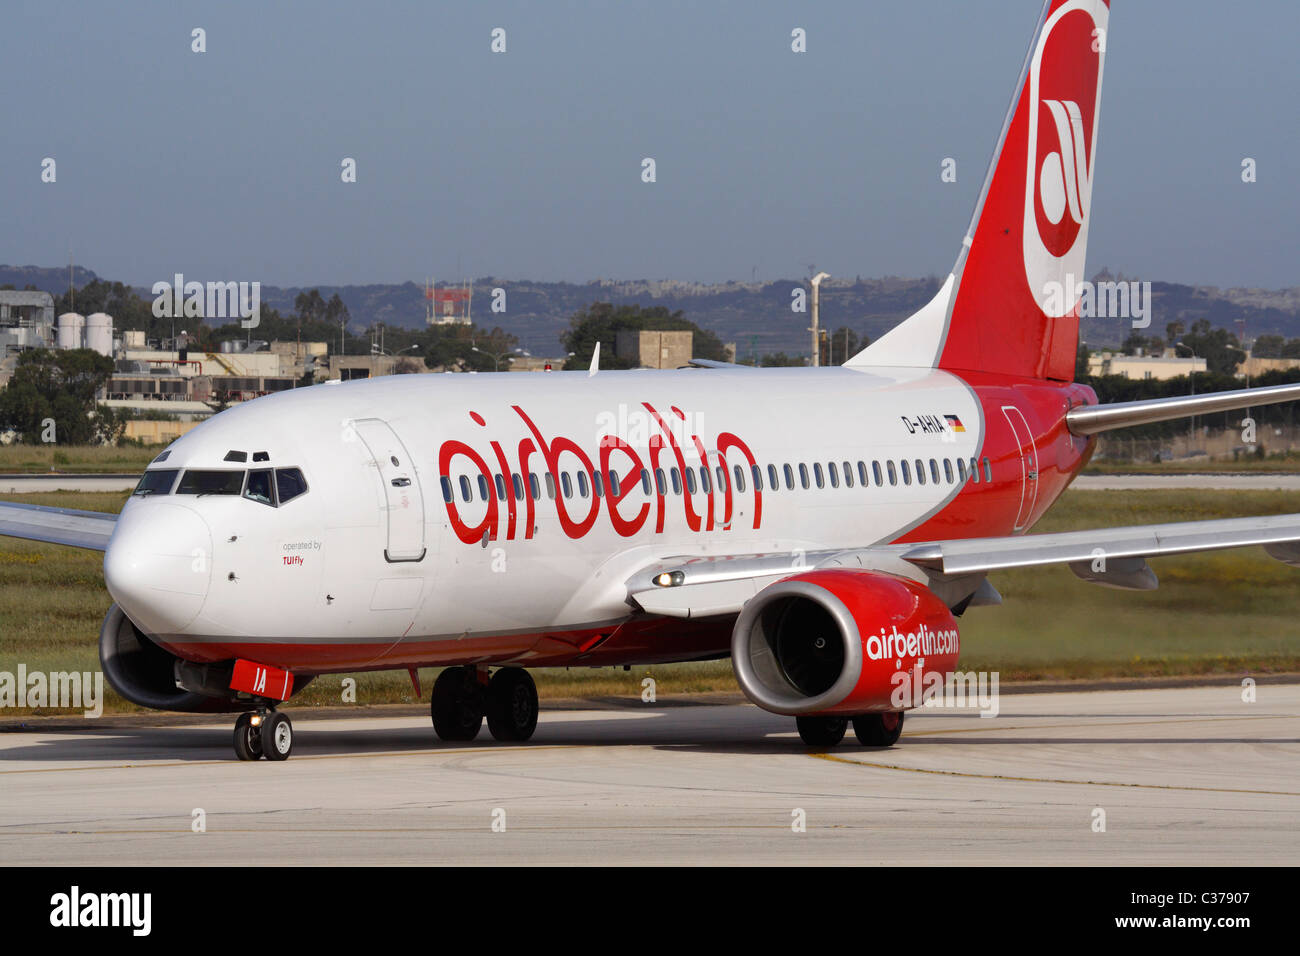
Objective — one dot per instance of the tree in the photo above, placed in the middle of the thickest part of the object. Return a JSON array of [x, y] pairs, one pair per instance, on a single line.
[[1219, 347], [1269, 346], [781, 360], [844, 344], [602, 321], [59, 387]]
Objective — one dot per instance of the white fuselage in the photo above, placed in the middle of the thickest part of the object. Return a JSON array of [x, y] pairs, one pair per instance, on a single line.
[[373, 553]]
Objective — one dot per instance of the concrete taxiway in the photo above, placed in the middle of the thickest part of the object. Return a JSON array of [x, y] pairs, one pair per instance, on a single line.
[[1183, 776]]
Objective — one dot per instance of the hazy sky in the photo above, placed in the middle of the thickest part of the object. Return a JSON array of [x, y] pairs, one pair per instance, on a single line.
[[527, 164]]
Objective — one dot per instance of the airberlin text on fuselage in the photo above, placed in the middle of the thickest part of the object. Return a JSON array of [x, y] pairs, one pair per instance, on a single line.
[[615, 454]]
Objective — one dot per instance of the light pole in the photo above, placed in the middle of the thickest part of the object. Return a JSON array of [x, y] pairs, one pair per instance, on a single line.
[[498, 356], [816, 330], [1191, 375]]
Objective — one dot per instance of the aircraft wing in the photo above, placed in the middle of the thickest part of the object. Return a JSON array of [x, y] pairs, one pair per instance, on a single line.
[[1115, 557], [80, 529]]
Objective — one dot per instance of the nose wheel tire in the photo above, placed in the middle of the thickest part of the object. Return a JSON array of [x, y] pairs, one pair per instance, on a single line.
[[512, 704], [456, 704], [277, 737], [822, 731], [248, 739], [878, 730]]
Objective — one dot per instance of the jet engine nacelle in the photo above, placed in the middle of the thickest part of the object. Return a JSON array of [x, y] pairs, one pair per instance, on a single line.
[[152, 677], [831, 642]]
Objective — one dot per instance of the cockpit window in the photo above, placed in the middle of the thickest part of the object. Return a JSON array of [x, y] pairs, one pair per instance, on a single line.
[[259, 487], [211, 483], [290, 483], [157, 482]]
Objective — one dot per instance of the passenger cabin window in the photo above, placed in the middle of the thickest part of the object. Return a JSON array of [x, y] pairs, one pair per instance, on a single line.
[[157, 482], [988, 470], [875, 470], [773, 481], [740, 478], [789, 478], [803, 475], [689, 474], [961, 470], [465, 493]]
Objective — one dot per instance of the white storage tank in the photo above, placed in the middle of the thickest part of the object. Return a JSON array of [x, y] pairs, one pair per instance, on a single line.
[[133, 338], [99, 333], [71, 330]]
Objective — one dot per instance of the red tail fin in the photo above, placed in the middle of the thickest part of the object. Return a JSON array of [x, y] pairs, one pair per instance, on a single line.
[[1011, 303]]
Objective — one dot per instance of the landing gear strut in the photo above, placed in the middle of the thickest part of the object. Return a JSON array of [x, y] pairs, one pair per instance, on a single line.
[[462, 696], [266, 733]]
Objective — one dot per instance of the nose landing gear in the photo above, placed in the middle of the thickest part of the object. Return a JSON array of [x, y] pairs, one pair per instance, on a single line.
[[265, 733]]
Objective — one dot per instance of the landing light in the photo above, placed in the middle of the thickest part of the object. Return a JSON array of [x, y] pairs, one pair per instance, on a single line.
[[256, 720], [670, 579]]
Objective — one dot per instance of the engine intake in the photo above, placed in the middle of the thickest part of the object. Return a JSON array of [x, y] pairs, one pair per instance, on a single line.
[[830, 641], [152, 677]]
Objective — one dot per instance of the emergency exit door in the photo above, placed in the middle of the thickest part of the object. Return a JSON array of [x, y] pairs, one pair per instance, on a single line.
[[402, 496]]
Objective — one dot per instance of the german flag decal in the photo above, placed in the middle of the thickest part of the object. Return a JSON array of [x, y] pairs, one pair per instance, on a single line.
[[955, 423]]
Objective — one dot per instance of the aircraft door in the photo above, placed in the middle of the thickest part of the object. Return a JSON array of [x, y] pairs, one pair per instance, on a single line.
[[403, 498], [1028, 464]]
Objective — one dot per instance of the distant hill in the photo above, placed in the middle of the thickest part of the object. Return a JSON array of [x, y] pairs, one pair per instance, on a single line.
[[754, 315]]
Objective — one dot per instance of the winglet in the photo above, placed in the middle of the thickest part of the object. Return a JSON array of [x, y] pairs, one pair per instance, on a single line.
[[595, 361]]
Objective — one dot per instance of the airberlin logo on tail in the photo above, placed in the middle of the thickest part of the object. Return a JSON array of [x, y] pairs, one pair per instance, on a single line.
[[1063, 177], [1064, 92], [512, 499]]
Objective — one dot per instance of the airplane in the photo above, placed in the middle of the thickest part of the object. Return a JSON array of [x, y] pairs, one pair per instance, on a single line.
[[825, 528]]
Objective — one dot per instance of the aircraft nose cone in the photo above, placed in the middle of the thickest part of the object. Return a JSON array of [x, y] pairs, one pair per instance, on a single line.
[[158, 565]]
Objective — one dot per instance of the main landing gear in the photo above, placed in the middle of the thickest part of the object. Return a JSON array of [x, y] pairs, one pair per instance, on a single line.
[[462, 696], [872, 730], [265, 733]]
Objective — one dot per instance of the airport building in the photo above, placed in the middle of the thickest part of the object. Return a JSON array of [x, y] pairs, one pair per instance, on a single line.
[[1165, 366]]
